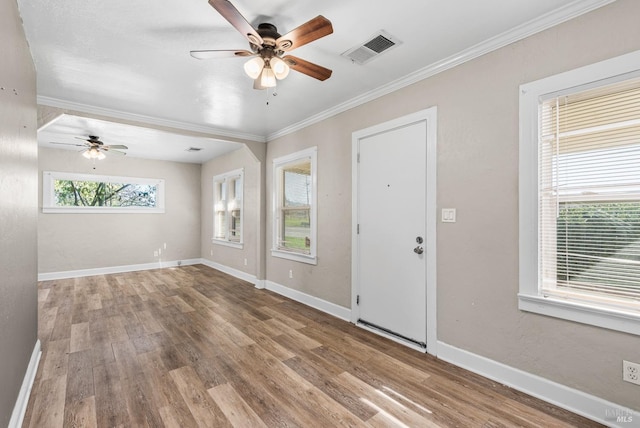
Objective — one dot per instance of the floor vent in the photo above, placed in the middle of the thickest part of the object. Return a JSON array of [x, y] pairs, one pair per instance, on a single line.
[[193, 149], [374, 46]]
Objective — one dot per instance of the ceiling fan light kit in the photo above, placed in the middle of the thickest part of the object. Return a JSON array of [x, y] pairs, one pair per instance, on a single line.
[[268, 47], [254, 67], [93, 153]]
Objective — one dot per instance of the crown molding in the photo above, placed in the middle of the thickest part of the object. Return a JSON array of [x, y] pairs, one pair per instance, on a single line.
[[150, 120], [551, 19]]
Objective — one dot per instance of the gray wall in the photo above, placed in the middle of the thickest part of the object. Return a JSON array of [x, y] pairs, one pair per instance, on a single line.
[[18, 207], [227, 256], [477, 174], [105, 240]]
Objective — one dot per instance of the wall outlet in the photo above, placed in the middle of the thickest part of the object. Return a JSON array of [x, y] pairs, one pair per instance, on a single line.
[[212, 252], [165, 245], [155, 253], [290, 273], [245, 262], [631, 372]]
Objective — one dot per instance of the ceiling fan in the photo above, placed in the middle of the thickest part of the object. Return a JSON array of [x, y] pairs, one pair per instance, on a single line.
[[96, 149], [268, 47]]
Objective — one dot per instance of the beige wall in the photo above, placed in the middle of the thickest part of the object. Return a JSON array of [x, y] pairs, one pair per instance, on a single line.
[[234, 257], [477, 174], [330, 279], [18, 208], [84, 241]]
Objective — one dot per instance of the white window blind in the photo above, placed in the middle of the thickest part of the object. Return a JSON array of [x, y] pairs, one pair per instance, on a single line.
[[589, 194]]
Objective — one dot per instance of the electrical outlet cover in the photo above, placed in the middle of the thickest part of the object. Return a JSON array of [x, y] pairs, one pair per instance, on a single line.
[[631, 372]]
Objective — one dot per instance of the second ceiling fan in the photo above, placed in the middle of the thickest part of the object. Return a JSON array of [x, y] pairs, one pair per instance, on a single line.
[[268, 61]]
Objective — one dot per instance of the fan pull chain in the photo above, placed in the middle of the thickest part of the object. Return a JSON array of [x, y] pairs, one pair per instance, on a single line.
[[275, 94]]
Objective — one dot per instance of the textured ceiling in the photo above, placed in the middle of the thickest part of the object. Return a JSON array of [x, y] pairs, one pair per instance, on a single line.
[[131, 59]]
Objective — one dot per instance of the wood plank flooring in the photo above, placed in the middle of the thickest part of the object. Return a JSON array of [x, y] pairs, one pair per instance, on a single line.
[[193, 347]]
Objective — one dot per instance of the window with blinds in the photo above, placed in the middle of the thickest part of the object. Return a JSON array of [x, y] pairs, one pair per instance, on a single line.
[[589, 194]]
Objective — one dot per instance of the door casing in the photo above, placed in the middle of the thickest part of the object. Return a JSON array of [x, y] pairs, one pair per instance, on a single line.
[[430, 116]]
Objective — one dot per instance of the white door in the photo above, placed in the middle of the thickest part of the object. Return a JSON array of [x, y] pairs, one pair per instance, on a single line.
[[391, 228]]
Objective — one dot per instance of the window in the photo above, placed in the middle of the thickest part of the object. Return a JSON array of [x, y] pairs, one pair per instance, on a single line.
[[294, 217], [64, 192], [580, 195], [227, 208]]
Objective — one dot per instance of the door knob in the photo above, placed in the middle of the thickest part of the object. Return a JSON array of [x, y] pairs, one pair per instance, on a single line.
[[418, 250]]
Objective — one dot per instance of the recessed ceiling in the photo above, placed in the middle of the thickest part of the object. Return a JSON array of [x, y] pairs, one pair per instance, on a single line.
[[142, 142], [132, 58]]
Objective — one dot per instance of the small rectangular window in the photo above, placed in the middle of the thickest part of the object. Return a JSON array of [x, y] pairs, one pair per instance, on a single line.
[[81, 193], [227, 207], [294, 206]]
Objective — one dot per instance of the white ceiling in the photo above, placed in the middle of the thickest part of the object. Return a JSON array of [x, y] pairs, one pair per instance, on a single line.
[[63, 133], [131, 60]]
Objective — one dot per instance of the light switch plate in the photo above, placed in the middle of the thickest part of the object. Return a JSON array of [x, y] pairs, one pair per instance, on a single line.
[[448, 215]]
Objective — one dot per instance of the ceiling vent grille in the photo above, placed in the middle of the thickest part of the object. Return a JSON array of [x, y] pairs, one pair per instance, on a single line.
[[374, 46], [193, 149]]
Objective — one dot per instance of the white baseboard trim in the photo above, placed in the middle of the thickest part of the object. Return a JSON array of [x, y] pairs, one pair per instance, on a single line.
[[315, 302], [114, 269], [19, 410], [581, 403], [230, 271], [261, 284]]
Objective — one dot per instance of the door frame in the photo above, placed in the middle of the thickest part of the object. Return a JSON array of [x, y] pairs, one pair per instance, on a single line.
[[430, 117]]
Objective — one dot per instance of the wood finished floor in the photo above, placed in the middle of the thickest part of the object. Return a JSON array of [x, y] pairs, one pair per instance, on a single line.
[[191, 346]]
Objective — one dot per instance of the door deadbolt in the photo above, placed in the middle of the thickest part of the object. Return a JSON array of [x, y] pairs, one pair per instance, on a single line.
[[419, 240], [418, 250]]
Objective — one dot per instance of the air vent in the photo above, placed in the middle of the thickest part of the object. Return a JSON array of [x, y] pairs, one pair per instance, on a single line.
[[193, 149], [372, 48]]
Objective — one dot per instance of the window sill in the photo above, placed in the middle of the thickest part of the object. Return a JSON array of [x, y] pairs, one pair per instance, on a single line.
[[627, 321], [303, 258], [238, 245], [101, 210]]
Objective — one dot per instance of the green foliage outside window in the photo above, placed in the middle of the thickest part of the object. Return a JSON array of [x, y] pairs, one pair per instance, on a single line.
[[598, 238], [69, 193]]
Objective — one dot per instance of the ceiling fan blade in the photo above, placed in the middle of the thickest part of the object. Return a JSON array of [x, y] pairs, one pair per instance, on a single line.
[[235, 18], [115, 152], [306, 33], [115, 146], [310, 69], [69, 144], [226, 53]]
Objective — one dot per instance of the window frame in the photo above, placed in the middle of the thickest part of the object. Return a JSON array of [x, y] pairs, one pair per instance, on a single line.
[[277, 193], [530, 296], [224, 180], [48, 193]]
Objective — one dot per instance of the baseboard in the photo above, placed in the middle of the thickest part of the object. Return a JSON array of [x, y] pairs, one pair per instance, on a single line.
[[314, 302], [589, 406], [19, 410], [114, 269], [230, 271]]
